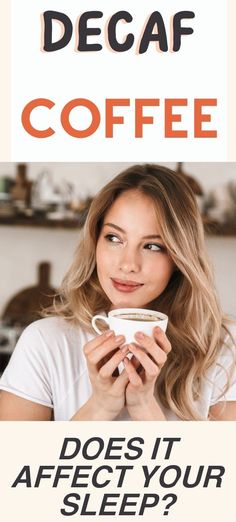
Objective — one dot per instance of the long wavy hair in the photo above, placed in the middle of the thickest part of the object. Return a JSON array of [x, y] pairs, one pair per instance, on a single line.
[[195, 318]]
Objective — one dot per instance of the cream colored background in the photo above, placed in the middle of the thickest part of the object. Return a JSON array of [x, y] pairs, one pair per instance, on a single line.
[[231, 82], [5, 60], [37, 444]]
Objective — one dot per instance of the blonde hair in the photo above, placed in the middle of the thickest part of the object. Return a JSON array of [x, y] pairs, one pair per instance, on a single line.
[[190, 301]]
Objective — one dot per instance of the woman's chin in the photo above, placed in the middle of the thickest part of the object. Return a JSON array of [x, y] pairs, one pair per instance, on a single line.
[[123, 304], [128, 303]]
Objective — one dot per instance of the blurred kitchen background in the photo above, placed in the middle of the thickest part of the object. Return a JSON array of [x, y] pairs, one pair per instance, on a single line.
[[43, 208]]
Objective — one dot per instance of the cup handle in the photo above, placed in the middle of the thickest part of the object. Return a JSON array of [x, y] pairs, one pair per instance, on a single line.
[[101, 318]]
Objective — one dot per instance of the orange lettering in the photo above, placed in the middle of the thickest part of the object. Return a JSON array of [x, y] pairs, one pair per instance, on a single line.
[[110, 118], [170, 118], [65, 118], [199, 118], [25, 118], [140, 119]]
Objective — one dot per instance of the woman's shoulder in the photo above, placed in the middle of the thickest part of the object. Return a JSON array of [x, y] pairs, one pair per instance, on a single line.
[[49, 324], [54, 331], [53, 324]]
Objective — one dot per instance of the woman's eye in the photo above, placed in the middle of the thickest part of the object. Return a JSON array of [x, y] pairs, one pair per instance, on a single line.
[[154, 247], [112, 238]]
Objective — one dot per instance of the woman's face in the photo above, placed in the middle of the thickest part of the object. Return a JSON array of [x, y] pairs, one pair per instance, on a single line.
[[133, 265]]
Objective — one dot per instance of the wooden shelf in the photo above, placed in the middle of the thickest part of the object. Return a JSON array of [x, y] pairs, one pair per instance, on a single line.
[[6, 351], [212, 228], [41, 222]]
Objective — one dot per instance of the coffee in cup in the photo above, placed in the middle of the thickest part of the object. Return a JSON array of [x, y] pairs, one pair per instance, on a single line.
[[138, 317]]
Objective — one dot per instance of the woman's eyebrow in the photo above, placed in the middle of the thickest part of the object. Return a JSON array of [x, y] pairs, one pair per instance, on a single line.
[[114, 226], [151, 236]]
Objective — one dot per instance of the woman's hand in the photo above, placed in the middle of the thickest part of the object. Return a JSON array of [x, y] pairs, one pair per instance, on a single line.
[[103, 355], [149, 356]]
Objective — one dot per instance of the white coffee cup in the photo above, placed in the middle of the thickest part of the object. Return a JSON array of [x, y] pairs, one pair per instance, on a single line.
[[128, 321]]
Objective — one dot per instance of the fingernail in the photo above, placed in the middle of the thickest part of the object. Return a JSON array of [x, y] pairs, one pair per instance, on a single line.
[[157, 329], [139, 335], [119, 338], [131, 347], [109, 333], [125, 349]]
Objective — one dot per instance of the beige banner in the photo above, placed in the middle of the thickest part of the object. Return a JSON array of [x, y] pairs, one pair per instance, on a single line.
[[118, 470]]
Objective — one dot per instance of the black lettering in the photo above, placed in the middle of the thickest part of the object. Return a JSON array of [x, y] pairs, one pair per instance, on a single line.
[[79, 475], [214, 473], [126, 502], [85, 505], [131, 446], [59, 475], [41, 475], [163, 482], [186, 482], [146, 504], [65, 445], [97, 484], [21, 479], [68, 503], [170, 445], [48, 17], [129, 40], [148, 475], [160, 36], [112, 446], [99, 450], [178, 30], [156, 448], [85, 31], [122, 474], [106, 503]]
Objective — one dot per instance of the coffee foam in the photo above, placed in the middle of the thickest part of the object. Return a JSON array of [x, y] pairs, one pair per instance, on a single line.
[[138, 317]]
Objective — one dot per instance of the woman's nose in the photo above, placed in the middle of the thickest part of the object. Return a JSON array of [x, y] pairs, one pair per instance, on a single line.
[[129, 261]]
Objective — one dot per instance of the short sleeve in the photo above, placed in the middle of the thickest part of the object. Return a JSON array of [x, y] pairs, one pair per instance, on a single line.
[[224, 388], [27, 374]]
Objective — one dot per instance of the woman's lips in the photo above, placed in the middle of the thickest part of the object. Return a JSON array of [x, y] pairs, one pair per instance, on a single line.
[[125, 286]]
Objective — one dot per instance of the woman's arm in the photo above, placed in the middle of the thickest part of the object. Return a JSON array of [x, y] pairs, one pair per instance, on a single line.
[[223, 411], [14, 408], [103, 358]]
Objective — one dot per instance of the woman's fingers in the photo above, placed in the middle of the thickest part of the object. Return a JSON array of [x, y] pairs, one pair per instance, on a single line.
[[108, 345], [120, 383], [133, 376], [152, 348], [151, 368], [104, 356], [162, 339], [97, 341], [109, 367]]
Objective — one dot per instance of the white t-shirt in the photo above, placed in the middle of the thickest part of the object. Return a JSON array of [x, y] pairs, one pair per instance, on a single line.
[[48, 367]]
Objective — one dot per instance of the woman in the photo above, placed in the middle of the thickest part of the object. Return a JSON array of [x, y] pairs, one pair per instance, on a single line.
[[142, 247]]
